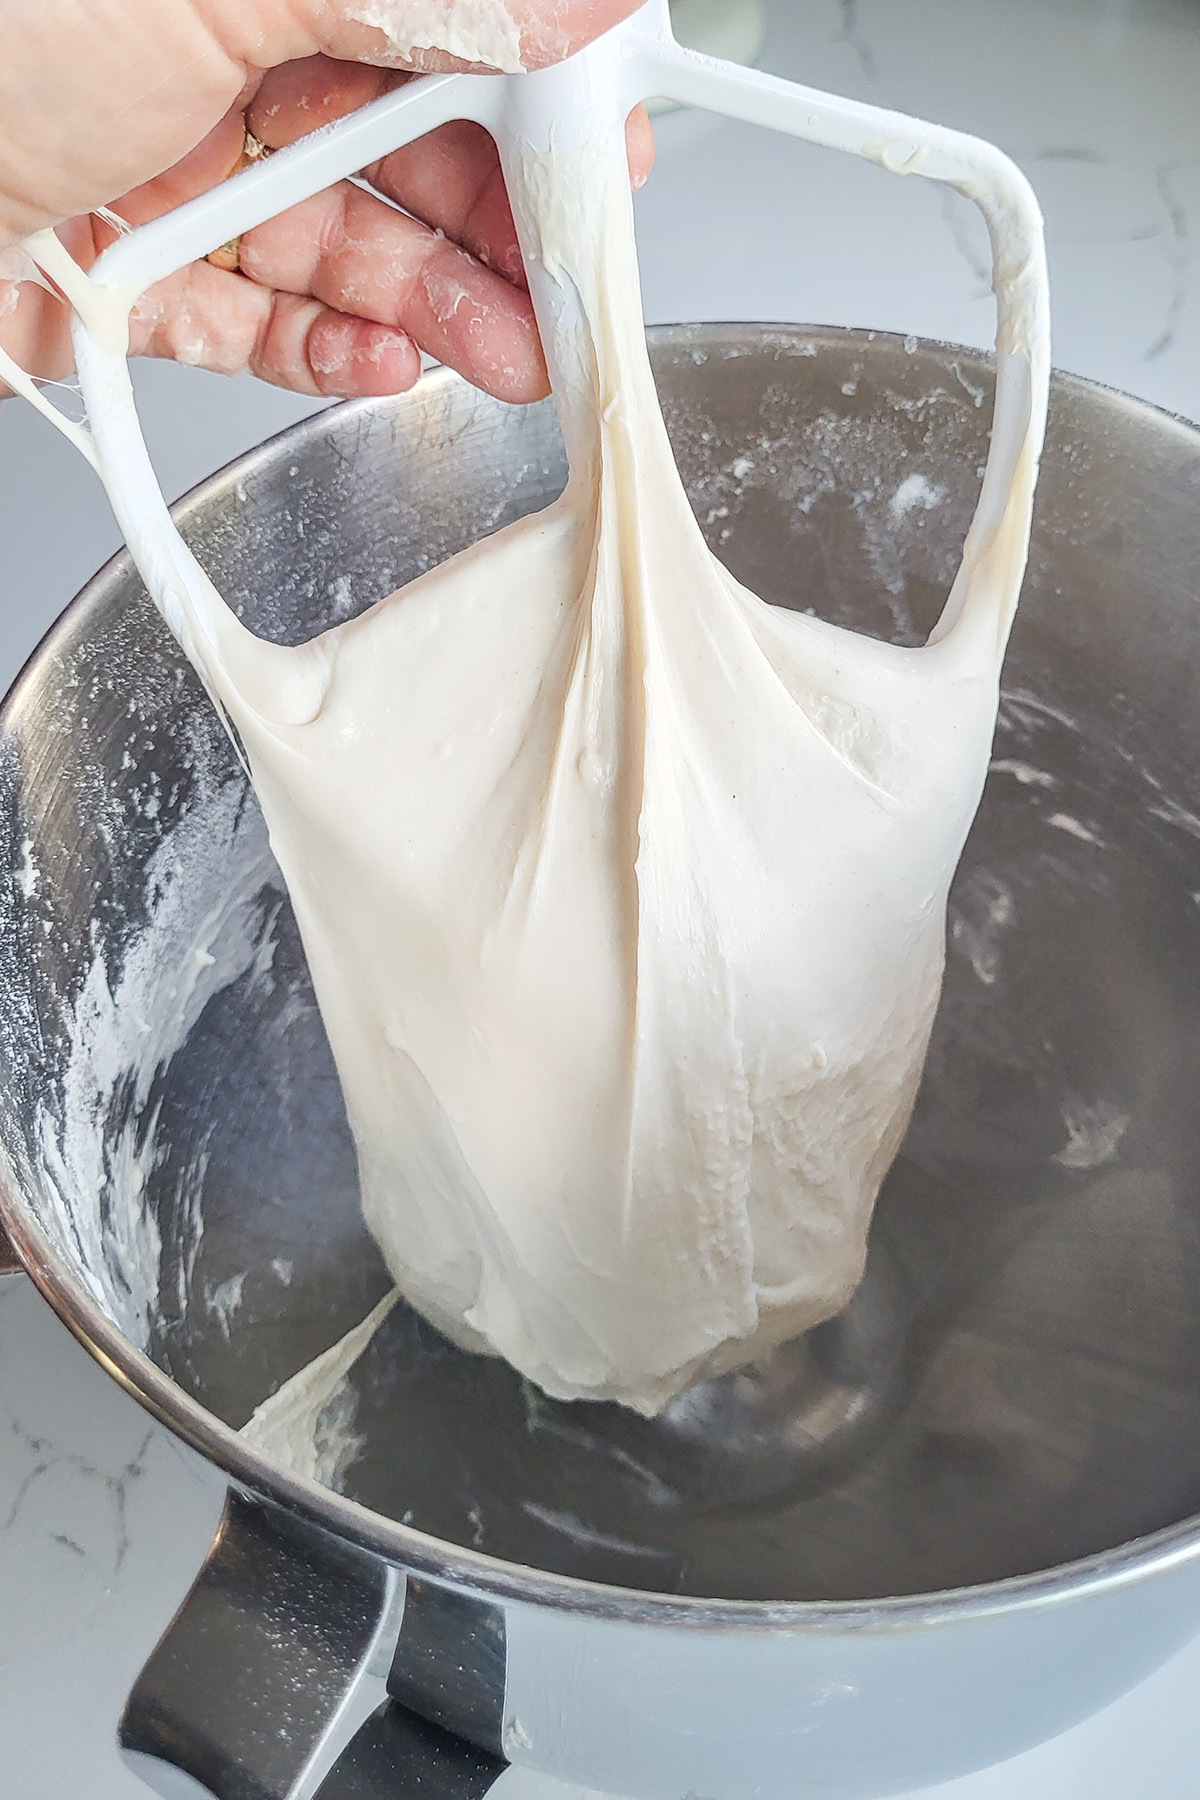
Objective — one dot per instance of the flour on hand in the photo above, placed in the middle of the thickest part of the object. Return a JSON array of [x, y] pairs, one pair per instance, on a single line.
[[482, 33]]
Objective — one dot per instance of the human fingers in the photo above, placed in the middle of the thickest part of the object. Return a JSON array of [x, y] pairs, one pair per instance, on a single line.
[[296, 97], [378, 280], [458, 192], [210, 162], [219, 321], [98, 99], [356, 253], [450, 178]]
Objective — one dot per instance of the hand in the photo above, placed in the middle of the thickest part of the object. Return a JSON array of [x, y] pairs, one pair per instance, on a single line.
[[139, 104]]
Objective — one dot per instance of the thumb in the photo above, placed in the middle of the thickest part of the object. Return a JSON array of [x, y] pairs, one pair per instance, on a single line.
[[428, 35]]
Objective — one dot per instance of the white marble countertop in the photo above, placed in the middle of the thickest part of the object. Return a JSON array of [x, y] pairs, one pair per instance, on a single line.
[[103, 1516]]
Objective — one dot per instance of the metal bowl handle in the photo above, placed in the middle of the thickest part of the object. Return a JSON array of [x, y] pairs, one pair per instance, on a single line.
[[270, 1683]]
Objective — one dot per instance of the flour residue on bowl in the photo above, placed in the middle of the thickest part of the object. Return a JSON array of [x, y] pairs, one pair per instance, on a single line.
[[206, 926], [915, 493], [1023, 772], [981, 910], [1094, 1133]]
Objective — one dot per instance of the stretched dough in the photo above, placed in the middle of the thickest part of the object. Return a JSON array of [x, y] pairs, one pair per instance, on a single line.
[[623, 892]]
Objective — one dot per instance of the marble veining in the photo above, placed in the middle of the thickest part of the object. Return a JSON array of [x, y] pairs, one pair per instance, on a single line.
[[1178, 250], [47, 1461], [851, 35]]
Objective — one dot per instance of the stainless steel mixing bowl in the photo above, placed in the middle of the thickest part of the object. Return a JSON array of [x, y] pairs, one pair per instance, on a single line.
[[938, 1529]]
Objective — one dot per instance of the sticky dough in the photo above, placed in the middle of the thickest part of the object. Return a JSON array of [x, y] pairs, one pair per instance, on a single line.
[[622, 891]]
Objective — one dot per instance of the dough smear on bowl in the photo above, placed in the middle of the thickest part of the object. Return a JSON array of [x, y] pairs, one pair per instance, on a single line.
[[623, 892]]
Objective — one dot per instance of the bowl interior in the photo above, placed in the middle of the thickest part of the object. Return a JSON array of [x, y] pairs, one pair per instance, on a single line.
[[1017, 1383]]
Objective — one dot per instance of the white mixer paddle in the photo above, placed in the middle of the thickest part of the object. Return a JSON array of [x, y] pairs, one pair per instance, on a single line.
[[557, 107]]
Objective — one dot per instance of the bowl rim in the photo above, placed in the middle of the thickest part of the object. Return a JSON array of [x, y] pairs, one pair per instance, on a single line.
[[405, 1546]]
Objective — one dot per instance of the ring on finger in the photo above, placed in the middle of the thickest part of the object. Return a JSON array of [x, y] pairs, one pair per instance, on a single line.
[[228, 256]]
